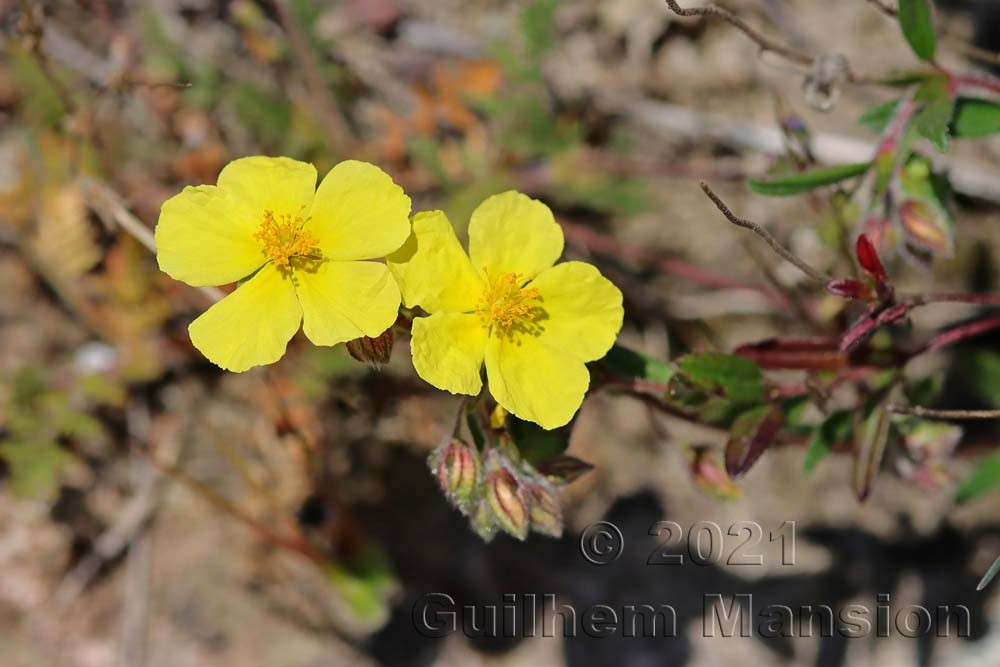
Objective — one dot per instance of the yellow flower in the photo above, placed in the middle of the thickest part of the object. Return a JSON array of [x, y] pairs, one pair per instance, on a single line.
[[534, 325], [297, 251]]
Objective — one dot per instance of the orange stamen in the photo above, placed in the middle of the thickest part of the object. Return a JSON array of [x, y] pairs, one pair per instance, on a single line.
[[283, 238], [505, 302]]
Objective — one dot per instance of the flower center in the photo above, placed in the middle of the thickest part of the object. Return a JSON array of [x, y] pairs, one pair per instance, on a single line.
[[283, 238], [505, 302]]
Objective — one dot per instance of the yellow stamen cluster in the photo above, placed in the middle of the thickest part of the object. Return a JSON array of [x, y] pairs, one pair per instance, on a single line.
[[283, 238], [505, 302]]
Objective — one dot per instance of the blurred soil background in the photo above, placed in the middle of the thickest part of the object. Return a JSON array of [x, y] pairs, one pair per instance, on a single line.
[[605, 110]]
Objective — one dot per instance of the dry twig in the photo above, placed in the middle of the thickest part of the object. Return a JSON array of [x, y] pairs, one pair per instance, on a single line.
[[786, 254], [765, 43], [918, 411]]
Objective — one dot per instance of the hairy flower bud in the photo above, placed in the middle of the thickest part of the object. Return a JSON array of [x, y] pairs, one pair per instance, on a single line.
[[374, 351], [544, 509], [483, 521], [507, 501], [459, 472]]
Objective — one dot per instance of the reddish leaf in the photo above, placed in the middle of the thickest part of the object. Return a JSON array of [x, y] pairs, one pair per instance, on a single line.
[[810, 353], [849, 289], [751, 435], [869, 260]]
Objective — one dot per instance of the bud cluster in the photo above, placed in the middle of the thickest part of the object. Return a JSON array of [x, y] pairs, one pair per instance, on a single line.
[[497, 491]]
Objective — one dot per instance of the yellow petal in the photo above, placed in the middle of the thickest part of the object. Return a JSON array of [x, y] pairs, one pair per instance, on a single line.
[[581, 310], [202, 239], [513, 233], [448, 351], [342, 301], [359, 213], [251, 326], [536, 382], [278, 184], [432, 270]]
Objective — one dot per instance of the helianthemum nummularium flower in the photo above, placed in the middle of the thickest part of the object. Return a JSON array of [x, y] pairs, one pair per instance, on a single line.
[[298, 252], [532, 322]]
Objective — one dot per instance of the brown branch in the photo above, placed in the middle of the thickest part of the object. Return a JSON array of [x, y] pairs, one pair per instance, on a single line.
[[974, 52], [786, 254], [765, 43], [918, 411]]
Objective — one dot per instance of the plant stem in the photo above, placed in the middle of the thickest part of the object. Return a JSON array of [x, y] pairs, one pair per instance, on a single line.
[[786, 254], [918, 411]]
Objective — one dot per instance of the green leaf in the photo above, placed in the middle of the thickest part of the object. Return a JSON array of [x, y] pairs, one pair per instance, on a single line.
[[366, 585], [984, 478], [623, 362], [907, 78], [793, 185], [740, 378], [534, 443], [917, 21], [872, 437], [923, 391], [933, 120], [835, 428], [794, 409], [538, 25], [34, 467], [975, 118], [982, 369], [877, 118]]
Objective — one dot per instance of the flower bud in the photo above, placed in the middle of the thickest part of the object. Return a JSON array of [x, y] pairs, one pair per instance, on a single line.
[[544, 509], [483, 522], [374, 351], [459, 471], [507, 501], [849, 289], [709, 474]]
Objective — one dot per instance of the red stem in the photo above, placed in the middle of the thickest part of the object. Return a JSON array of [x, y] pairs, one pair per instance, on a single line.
[[952, 336], [978, 81]]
